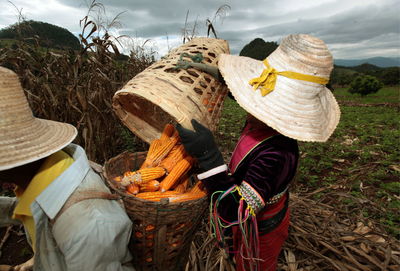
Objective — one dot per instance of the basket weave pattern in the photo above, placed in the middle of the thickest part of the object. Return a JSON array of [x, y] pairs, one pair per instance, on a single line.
[[162, 231], [162, 94]]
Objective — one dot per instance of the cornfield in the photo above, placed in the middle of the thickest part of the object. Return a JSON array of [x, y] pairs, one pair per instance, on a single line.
[[77, 87]]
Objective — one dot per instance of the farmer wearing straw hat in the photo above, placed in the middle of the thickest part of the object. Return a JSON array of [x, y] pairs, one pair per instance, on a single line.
[[71, 219], [286, 98]]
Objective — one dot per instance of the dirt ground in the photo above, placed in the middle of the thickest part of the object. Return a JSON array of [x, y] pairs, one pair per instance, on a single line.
[[14, 249]]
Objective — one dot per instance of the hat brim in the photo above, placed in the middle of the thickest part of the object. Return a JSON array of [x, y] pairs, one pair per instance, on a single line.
[[36, 140], [298, 109]]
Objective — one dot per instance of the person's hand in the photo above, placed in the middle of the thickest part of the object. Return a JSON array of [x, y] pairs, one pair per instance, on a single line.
[[201, 145], [26, 266]]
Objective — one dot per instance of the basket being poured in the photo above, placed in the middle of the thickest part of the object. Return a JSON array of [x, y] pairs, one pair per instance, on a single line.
[[164, 93]]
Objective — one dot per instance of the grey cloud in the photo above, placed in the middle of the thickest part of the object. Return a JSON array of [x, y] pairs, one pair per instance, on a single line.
[[156, 18], [385, 44], [154, 30], [162, 10], [333, 21], [353, 26]]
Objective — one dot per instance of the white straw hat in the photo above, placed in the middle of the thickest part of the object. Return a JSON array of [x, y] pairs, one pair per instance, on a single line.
[[299, 109], [24, 138]]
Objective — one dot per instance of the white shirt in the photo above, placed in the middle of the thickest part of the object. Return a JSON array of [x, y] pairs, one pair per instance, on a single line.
[[92, 234]]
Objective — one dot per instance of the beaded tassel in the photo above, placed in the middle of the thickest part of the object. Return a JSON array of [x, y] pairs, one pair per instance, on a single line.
[[247, 224]]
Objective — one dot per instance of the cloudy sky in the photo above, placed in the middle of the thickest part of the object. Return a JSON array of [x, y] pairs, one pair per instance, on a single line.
[[351, 28]]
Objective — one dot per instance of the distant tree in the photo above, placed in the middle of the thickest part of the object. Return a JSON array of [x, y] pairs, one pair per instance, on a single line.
[[365, 84], [391, 76], [258, 49], [48, 35], [367, 68], [342, 76]]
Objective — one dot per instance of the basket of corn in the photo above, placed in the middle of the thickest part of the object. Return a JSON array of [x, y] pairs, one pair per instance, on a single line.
[[162, 197]]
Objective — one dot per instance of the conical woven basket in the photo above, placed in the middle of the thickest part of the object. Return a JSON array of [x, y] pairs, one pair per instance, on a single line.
[[163, 94]]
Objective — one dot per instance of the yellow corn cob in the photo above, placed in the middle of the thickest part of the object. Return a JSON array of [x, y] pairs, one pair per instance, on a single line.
[[177, 153], [150, 186], [168, 131], [154, 158], [180, 188], [198, 187], [132, 189], [164, 150], [142, 175], [180, 168], [117, 179], [187, 196], [156, 196], [182, 184], [154, 145]]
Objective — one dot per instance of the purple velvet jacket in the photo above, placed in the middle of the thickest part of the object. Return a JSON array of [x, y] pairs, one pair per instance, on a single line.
[[268, 168]]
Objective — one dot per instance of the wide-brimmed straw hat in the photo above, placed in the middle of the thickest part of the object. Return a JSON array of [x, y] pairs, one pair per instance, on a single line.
[[24, 138], [287, 90]]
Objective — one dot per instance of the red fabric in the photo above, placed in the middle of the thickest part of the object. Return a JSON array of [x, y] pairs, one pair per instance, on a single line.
[[248, 140], [270, 244]]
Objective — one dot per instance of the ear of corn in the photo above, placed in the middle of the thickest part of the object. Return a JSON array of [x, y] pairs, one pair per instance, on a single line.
[[176, 154], [182, 184], [150, 227], [164, 150], [154, 145], [187, 196], [195, 193], [150, 186], [118, 179], [159, 148], [132, 189], [168, 131], [180, 168], [197, 188], [156, 196], [142, 175], [180, 226], [154, 158], [180, 188], [176, 244]]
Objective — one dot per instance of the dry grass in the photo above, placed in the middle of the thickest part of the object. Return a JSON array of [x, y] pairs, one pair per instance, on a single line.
[[324, 235]]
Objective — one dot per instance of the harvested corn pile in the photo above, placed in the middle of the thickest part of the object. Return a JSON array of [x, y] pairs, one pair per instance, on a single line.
[[324, 235], [163, 174]]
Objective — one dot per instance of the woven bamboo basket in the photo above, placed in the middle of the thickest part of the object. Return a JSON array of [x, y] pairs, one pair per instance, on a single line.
[[162, 94], [162, 231]]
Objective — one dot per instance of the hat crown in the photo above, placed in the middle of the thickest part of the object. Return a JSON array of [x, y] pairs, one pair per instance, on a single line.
[[14, 107], [302, 53], [24, 138]]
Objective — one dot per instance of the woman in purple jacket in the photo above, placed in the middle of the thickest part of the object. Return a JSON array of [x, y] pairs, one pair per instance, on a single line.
[[250, 196]]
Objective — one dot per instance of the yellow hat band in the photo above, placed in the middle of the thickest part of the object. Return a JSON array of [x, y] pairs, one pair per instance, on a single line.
[[267, 80]]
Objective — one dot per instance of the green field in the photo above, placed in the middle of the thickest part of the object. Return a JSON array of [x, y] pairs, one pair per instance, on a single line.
[[384, 95], [360, 159], [5, 43]]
